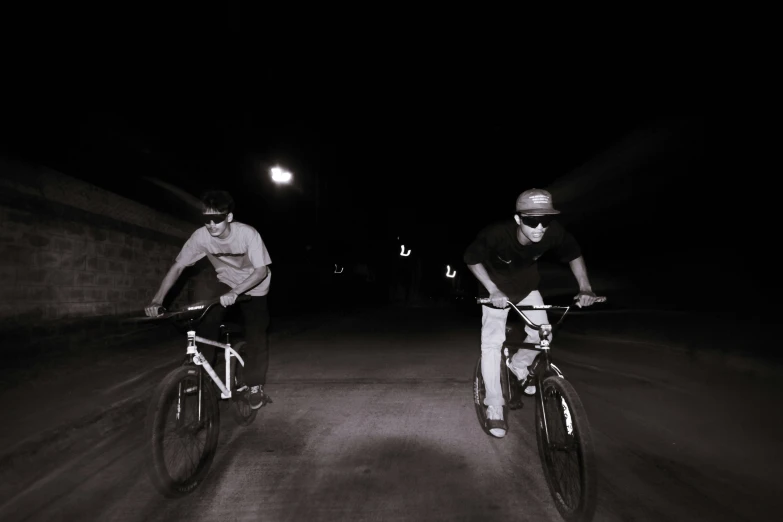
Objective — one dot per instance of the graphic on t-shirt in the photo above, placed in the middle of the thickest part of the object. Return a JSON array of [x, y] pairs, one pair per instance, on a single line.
[[234, 258]]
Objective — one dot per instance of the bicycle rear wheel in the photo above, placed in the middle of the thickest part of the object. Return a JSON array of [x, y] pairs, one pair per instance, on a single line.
[[182, 426], [480, 393], [568, 458]]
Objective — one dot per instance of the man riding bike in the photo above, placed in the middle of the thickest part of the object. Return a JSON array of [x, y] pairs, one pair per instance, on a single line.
[[241, 261], [503, 257]]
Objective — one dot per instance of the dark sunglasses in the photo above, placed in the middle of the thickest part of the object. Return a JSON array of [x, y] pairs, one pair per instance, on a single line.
[[214, 218], [534, 221]]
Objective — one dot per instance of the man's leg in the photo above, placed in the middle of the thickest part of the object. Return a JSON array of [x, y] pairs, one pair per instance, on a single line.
[[524, 358], [493, 335], [256, 322]]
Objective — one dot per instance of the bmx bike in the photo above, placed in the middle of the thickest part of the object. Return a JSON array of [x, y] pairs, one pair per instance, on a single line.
[[183, 418], [565, 443]]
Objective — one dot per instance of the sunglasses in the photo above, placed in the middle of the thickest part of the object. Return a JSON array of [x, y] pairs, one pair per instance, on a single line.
[[214, 218], [534, 221]]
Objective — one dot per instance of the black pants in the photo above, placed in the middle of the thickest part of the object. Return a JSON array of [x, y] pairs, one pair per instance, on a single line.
[[255, 314]]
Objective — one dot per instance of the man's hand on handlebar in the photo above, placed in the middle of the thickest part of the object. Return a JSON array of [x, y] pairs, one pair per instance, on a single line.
[[498, 299], [153, 310], [587, 299], [228, 299]]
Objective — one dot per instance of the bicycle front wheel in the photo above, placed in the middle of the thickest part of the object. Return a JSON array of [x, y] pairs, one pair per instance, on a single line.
[[566, 449], [182, 426]]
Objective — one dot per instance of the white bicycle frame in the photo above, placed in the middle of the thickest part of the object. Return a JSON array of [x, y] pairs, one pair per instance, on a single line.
[[199, 359]]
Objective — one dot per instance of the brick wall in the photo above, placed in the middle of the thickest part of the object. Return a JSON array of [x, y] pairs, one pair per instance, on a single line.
[[76, 258]]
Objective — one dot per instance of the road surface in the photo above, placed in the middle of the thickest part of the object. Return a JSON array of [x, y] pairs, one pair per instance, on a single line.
[[373, 420]]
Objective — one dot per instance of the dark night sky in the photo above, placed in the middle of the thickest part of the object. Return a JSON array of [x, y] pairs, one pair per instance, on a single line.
[[403, 168], [645, 182]]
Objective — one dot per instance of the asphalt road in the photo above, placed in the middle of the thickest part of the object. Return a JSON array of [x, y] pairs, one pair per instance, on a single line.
[[373, 420]]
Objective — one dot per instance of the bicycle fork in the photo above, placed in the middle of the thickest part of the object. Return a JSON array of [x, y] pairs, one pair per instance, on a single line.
[[543, 411], [182, 394]]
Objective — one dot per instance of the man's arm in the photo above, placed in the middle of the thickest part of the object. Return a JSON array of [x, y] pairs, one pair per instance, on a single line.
[[497, 297], [171, 277], [585, 297], [258, 275]]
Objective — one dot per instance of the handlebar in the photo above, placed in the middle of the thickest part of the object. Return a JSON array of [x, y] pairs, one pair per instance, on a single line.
[[198, 309], [520, 309], [486, 300]]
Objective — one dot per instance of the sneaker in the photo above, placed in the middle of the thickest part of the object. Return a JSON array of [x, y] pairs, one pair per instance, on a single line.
[[495, 422], [257, 397]]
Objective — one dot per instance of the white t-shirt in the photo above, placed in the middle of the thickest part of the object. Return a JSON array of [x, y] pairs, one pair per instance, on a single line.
[[234, 258]]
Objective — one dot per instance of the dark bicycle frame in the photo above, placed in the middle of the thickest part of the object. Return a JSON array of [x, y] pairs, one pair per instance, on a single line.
[[537, 373]]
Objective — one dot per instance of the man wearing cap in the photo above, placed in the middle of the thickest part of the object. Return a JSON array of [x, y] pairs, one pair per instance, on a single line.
[[503, 257]]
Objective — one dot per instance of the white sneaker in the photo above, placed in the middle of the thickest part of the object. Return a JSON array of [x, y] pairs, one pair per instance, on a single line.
[[496, 413]]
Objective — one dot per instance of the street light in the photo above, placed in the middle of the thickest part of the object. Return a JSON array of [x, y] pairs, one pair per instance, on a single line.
[[280, 175]]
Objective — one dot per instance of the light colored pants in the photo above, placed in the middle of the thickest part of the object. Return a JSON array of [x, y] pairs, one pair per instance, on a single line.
[[493, 335]]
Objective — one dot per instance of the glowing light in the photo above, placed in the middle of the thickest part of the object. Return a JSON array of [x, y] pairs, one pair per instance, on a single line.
[[449, 273], [402, 251], [280, 175], [335, 270]]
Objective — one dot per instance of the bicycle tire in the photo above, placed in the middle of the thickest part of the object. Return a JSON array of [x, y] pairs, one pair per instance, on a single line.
[[243, 414], [173, 422], [575, 497], [479, 394]]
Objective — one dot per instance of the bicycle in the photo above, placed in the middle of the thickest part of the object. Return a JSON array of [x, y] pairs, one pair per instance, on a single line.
[[562, 430], [183, 418]]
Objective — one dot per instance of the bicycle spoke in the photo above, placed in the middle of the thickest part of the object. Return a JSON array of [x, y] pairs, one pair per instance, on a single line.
[[179, 449], [186, 440], [178, 456], [187, 450], [568, 479], [183, 423]]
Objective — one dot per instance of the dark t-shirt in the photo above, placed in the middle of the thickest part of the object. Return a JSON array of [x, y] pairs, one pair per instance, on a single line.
[[511, 265]]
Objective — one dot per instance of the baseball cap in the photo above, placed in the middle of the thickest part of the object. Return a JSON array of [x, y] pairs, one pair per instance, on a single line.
[[535, 202]]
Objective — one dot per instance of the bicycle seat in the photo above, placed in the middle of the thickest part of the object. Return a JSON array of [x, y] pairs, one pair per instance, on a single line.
[[231, 328]]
